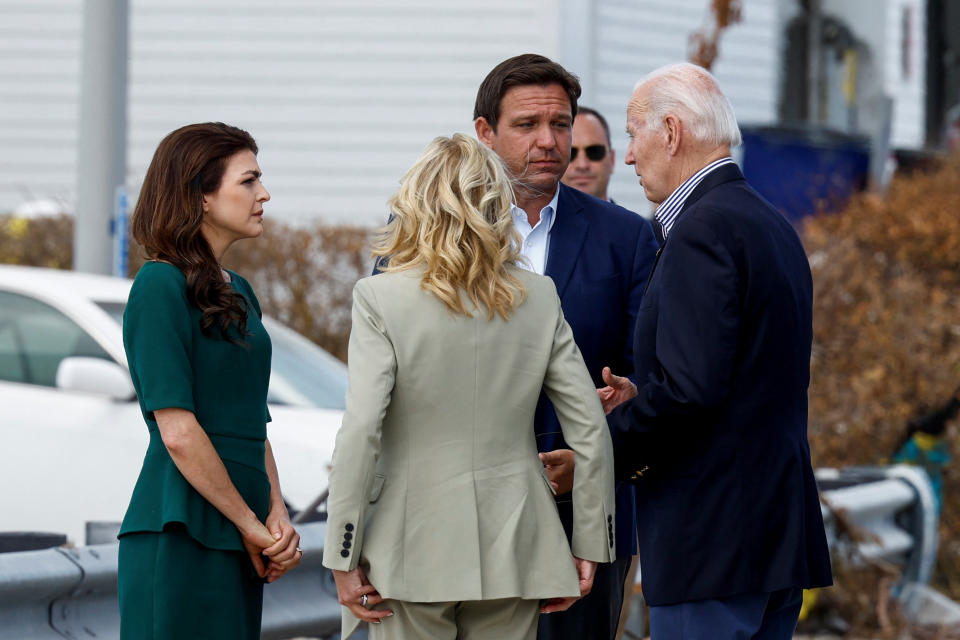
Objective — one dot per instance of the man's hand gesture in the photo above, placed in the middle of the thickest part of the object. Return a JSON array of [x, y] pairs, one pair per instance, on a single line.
[[617, 391]]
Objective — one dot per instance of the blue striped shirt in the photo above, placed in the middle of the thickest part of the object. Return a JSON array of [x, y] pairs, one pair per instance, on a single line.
[[668, 211]]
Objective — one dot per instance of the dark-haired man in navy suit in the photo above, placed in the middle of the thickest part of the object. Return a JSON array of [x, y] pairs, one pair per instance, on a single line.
[[715, 437], [599, 256]]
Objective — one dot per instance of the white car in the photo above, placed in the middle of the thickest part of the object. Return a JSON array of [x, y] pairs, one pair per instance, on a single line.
[[73, 438]]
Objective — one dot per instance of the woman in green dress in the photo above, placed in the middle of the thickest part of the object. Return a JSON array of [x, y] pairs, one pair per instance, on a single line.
[[206, 525]]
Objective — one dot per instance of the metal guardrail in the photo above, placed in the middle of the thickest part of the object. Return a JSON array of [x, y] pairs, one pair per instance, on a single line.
[[71, 593], [892, 509]]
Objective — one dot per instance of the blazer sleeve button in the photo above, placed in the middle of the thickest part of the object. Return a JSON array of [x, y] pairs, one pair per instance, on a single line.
[[348, 526], [344, 554]]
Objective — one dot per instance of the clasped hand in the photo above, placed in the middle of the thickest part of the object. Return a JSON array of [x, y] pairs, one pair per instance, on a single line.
[[277, 540]]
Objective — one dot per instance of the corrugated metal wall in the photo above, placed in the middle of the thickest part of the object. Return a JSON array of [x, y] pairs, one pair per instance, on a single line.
[[341, 95], [904, 65], [634, 37], [39, 91]]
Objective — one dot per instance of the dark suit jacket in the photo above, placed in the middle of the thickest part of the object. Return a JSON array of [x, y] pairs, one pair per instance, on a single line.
[[599, 257], [728, 504]]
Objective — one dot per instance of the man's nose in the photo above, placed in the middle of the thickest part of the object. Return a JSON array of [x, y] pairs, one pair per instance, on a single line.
[[581, 161], [546, 138], [629, 159]]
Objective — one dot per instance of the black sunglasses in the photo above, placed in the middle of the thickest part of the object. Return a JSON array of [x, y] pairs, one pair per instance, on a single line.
[[595, 152]]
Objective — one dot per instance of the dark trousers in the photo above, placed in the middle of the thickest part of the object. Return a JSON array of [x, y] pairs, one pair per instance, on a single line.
[[756, 616], [595, 616]]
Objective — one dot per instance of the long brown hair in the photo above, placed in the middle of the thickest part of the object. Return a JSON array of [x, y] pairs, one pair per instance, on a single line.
[[188, 164]]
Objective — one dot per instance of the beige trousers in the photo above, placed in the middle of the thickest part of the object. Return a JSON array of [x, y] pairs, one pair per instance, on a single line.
[[505, 619]]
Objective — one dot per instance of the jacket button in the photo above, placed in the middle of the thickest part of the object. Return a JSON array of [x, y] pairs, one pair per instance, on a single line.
[[345, 554], [346, 544], [348, 536], [348, 527]]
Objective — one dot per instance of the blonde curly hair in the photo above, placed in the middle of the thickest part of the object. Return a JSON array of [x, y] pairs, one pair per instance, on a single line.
[[451, 216]]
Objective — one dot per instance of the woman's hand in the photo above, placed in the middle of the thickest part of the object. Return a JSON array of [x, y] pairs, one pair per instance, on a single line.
[[617, 391], [352, 586], [586, 569], [256, 538], [285, 552]]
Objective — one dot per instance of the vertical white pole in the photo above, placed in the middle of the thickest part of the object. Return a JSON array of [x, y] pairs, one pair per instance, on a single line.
[[101, 165]]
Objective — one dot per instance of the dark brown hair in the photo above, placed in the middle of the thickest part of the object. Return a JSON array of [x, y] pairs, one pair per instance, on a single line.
[[519, 71], [188, 164], [587, 111]]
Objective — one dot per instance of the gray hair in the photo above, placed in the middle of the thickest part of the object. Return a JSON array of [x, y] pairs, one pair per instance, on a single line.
[[692, 94]]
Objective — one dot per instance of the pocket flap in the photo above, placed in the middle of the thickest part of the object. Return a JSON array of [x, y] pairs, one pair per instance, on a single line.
[[377, 487]]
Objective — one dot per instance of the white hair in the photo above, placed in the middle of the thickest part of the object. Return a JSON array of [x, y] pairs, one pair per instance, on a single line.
[[692, 94]]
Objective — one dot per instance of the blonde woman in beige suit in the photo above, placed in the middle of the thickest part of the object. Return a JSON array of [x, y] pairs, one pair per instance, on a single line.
[[441, 522]]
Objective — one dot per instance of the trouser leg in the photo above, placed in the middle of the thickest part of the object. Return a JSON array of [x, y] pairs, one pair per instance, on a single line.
[[503, 619], [596, 616], [757, 616], [415, 620]]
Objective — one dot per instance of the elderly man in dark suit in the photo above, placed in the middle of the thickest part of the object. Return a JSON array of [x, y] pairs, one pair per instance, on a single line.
[[715, 437], [599, 256]]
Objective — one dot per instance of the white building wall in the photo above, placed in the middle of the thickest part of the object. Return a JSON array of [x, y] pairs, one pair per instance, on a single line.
[[341, 95], [39, 92], [905, 70], [634, 37]]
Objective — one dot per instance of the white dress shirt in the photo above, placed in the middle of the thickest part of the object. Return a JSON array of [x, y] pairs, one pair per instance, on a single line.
[[536, 239]]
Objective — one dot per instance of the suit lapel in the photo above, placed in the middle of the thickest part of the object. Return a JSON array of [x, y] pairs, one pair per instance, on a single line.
[[726, 173], [566, 238]]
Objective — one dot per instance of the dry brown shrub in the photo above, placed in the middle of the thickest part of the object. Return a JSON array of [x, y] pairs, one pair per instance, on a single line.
[[303, 276], [38, 242], [886, 347]]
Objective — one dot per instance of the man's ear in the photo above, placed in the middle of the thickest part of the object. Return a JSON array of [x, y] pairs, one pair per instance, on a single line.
[[485, 133], [673, 130]]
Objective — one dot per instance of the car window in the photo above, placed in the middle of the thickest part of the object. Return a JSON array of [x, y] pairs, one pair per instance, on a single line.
[[35, 337], [302, 374]]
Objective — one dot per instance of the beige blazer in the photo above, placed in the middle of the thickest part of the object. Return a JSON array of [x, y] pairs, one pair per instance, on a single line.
[[436, 488]]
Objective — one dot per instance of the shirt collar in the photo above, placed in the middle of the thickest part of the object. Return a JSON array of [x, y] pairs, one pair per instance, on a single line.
[[547, 214], [670, 208]]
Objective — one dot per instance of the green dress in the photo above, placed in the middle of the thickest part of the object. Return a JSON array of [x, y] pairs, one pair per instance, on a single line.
[[183, 572]]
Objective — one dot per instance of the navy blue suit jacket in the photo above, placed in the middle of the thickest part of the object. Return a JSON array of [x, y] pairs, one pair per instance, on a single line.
[[727, 502], [599, 257]]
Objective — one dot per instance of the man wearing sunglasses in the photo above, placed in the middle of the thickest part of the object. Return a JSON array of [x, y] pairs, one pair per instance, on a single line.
[[591, 155]]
